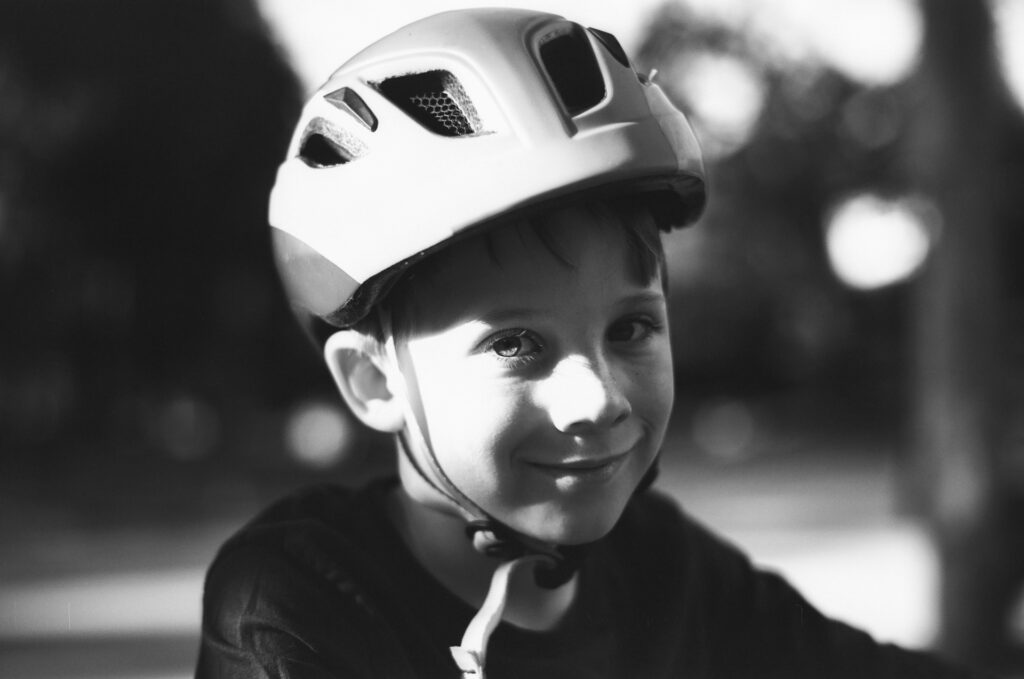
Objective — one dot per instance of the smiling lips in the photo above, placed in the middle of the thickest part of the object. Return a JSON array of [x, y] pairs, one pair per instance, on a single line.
[[583, 464], [583, 469]]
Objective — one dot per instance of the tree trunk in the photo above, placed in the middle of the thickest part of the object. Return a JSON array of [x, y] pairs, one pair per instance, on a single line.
[[960, 406]]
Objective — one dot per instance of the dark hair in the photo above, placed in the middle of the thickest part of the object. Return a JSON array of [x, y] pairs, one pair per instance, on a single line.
[[641, 236]]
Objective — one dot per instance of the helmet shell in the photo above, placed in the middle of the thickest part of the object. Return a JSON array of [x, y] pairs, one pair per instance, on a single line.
[[377, 173]]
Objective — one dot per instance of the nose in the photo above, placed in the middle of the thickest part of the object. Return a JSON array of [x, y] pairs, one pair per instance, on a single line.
[[585, 394]]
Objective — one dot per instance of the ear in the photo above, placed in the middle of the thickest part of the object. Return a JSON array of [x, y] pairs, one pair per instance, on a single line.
[[359, 371]]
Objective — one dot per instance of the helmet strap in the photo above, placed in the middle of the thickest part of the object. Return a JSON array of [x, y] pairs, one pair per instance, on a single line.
[[414, 441], [471, 654]]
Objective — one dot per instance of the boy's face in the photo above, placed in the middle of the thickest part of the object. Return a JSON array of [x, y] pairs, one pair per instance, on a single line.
[[545, 387]]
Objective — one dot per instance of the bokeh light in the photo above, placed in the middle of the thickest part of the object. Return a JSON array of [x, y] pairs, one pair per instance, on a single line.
[[725, 430], [873, 242], [1009, 22], [187, 427], [875, 42], [317, 434], [726, 95]]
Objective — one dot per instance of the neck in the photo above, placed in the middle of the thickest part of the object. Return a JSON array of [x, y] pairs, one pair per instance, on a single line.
[[439, 543]]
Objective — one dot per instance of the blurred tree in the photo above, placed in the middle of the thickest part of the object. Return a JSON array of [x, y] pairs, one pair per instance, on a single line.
[[755, 304], [756, 307], [138, 142], [970, 400]]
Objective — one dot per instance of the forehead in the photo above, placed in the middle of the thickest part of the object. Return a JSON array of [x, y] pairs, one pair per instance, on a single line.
[[574, 254]]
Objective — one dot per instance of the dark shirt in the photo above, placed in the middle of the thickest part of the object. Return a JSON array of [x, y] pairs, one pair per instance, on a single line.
[[320, 585]]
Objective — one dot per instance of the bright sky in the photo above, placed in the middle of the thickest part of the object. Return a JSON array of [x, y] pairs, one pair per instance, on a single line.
[[875, 40], [320, 35]]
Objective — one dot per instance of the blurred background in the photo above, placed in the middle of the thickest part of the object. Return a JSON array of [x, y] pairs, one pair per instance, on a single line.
[[848, 319]]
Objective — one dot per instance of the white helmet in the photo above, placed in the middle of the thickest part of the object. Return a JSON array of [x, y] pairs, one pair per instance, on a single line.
[[455, 120]]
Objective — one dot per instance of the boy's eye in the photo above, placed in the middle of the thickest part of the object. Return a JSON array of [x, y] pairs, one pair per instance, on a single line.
[[514, 346], [631, 330]]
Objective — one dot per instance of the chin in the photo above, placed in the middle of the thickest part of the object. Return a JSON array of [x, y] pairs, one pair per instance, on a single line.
[[578, 528], [586, 535]]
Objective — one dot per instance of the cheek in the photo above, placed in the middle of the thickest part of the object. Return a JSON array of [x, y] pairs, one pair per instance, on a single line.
[[473, 425], [662, 391], [654, 389]]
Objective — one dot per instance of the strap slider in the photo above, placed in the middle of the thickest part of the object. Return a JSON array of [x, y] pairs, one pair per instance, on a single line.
[[468, 661]]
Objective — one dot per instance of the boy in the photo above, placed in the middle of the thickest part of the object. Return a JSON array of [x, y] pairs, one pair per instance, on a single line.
[[469, 222]]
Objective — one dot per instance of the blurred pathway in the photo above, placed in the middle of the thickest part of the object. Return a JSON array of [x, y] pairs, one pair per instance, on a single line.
[[131, 610], [831, 525]]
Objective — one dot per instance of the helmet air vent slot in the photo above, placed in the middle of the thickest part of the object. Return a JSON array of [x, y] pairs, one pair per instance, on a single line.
[[612, 44], [570, 62], [350, 102], [324, 145], [434, 99]]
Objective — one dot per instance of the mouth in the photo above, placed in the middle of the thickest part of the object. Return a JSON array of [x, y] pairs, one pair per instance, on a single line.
[[582, 470]]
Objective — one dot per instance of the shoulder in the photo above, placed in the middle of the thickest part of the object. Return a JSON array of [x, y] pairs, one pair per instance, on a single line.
[[291, 583], [671, 563], [310, 532], [749, 621], [273, 540], [320, 503]]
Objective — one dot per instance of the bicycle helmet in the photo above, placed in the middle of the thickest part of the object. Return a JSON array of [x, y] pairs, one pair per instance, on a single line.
[[435, 131], [452, 121]]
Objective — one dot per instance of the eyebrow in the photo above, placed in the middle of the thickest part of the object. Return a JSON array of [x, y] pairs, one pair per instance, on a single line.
[[502, 316], [644, 297]]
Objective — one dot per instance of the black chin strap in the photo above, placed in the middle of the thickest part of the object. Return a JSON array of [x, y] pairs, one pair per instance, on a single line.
[[552, 567], [497, 540], [494, 539]]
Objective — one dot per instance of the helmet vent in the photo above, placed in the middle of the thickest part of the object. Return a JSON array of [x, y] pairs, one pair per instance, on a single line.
[[350, 102], [324, 145], [434, 99], [570, 62], [612, 44], [319, 151]]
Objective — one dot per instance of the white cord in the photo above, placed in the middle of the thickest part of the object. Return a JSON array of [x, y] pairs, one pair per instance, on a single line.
[[471, 656]]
